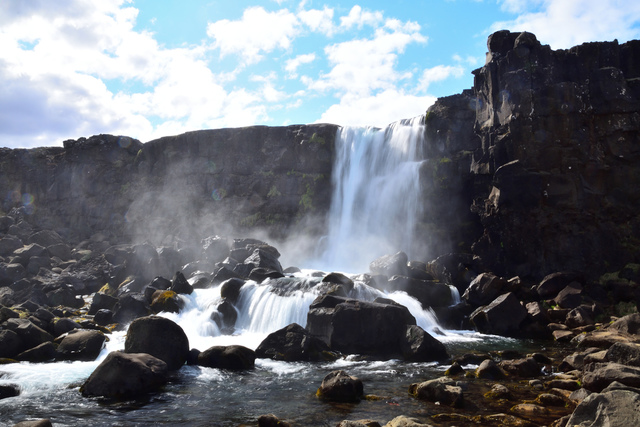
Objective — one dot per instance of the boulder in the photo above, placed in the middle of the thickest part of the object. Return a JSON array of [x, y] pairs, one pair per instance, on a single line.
[[159, 337], [167, 301], [443, 390], [233, 357], [129, 307], [555, 282], [126, 375], [44, 352], [102, 301], [339, 279], [502, 317], [23, 254], [230, 289], [598, 376], [523, 368], [489, 369], [8, 244], [81, 344], [270, 420], [30, 334], [390, 265], [34, 423], [9, 390], [629, 324], [225, 316], [264, 257], [420, 346], [570, 296], [624, 353], [215, 248], [483, 289], [180, 285], [64, 325], [404, 421], [357, 327], [430, 293], [10, 344], [617, 405], [338, 386], [294, 343], [103, 317]]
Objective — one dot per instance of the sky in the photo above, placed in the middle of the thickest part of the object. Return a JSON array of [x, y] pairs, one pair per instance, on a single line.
[[152, 68]]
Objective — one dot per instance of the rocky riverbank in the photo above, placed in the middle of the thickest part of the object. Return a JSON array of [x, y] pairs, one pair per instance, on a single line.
[[67, 307]]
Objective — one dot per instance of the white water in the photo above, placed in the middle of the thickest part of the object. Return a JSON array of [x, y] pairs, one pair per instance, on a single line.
[[376, 188]]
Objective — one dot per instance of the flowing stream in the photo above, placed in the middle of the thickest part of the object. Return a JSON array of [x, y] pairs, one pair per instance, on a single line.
[[373, 213]]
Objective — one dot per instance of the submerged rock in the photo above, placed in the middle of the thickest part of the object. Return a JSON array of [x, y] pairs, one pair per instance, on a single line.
[[443, 390], [232, 357], [338, 386]]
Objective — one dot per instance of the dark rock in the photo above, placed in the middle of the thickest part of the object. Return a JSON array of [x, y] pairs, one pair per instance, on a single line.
[[598, 376], [502, 317], [9, 390], [271, 420], [338, 386], [168, 301], [25, 253], [429, 293], [624, 353], [130, 307], [103, 317], [159, 337], [570, 296], [223, 274], [12, 272], [160, 282], [44, 352], [390, 265], [358, 327], [629, 324], [10, 344], [233, 357], [64, 296], [30, 334], [102, 301], [230, 289], [484, 289], [64, 325], [339, 279], [422, 347], [192, 357], [215, 248], [80, 344], [8, 244], [617, 405], [180, 285], [294, 343], [34, 423], [524, 368], [443, 390], [260, 274], [126, 375], [553, 283], [578, 317], [225, 315]]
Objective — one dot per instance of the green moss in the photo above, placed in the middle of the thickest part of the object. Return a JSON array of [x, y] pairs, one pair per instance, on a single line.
[[624, 308], [273, 192], [251, 220], [317, 139], [306, 201]]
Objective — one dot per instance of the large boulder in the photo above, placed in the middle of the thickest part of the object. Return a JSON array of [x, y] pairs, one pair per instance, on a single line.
[[180, 285], [617, 405], [294, 343], [129, 307], [624, 353], [430, 293], [159, 337], [30, 334], [233, 357], [81, 344], [390, 265], [10, 344], [357, 327], [338, 386], [598, 376], [44, 352], [483, 289], [502, 317], [126, 375]]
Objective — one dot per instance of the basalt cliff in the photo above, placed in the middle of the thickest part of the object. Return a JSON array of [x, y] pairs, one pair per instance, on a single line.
[[535, 169]]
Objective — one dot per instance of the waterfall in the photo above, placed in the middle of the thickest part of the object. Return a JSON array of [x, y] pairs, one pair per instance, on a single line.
[[376, 189]]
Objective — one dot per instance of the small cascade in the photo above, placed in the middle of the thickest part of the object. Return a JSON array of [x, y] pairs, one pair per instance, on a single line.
[[376, 192]]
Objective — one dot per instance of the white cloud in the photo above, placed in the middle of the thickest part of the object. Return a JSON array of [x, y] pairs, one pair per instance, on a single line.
[[318, 20], [361, 66], [381, 109], [359, 18], [292, 65], [438, 73], [566, 23], [257, 33]]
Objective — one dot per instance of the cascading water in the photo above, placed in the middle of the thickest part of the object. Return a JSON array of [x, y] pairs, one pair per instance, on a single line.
[[376, 193]]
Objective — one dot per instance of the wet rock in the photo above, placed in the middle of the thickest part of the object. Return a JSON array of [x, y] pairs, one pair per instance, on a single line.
[[617, 405], [502, 317], [264, 257], [523, 368], [159, 337], [126, 375], [9, 390], [404, 421], [103, 317], [420, 346], [23, 254], [230, 289], [8, 244], [83, 345], [443, 390], [498, 391], [102, 301], [167, 301], [64, 296], [215, 248], [30, 334], [10, 344], [225, 316], [358, 423], [563, 384], [44, 352], [358, 327], [339, 279], [129, 307], [338, 386], [180, 285], [294, 343], [390, 265], [232, 357], [430, 293], [489, 369], [548, 399], [271, 420], [454, 369], [34, 423], [64, 325], [529, 410]]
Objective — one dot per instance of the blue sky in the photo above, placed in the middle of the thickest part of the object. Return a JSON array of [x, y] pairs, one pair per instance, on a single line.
[[150, 68]]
